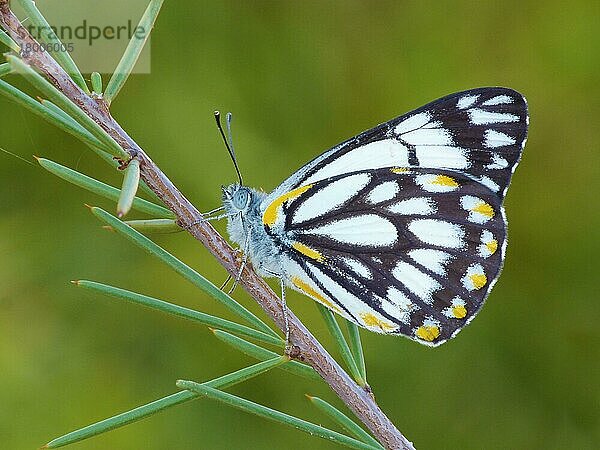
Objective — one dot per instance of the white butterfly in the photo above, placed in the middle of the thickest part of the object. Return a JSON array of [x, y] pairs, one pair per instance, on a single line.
[[400, 229]]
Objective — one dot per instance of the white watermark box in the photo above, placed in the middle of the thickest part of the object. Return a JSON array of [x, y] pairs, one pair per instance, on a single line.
[[94, 33]]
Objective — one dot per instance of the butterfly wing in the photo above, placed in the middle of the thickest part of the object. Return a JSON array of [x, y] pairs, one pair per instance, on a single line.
[[481, 132], [413, 252], [401, 229]]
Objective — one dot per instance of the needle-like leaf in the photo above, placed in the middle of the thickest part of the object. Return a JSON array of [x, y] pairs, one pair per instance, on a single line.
[[96, 83], [59, 52], [61, 100], [133, 50], [156, 406], [273, 415], [340, 340], [153, 226], [5, 69], [7, 40], [186, 313], [181, 268], [131, 182], [255, 351], [344, 421], [100, 188], [356, 347]]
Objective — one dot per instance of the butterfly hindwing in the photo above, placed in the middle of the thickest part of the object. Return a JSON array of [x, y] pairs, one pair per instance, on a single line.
[[406, 251]]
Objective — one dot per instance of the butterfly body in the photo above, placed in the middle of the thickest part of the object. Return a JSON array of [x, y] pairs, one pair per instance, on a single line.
[[400, 229]]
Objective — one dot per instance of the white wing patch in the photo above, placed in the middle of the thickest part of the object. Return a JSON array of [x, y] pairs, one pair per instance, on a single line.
[[398, 305], [437, 183], [420, 206], [438, 232], [375, 155], [358, 267], [419, 283], [479, 211], [442, 156], [488, 182], [474, 278], [331, 197], [368, 230], [494, 139], [434, 260], [498, 162], [383, 192], [488, 245], [412, 123], [482, 117], [428, 136], [466, 101], [498, 100]]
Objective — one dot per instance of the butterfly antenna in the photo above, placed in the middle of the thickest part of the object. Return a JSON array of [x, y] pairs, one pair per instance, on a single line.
[[228, 144]]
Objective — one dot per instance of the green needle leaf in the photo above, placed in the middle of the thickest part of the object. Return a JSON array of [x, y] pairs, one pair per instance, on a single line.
[[53, 114], [100, 188], [96, 83], [186, 313], [132, 52], [51, 106], [344, 421], [62, 101], [340, 340], [7, 40], [49, 36], [5, 69], [156, 406], [255, 351], [155, 226], [356, 347], [131, 181], [66, 123], [181, 268], [273, 415]]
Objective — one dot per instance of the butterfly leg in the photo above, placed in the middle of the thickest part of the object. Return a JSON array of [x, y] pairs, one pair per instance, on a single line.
[[206, 217], [222, 287], [243, 264], [284, 309], [285, 314]]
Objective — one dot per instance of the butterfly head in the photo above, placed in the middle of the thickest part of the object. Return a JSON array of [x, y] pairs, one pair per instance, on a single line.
[[236, 198]]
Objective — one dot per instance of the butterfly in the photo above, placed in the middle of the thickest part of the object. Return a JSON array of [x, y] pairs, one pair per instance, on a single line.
[[400, 229]]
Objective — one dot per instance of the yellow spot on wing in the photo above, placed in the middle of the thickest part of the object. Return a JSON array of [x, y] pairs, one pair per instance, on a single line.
[[308, 290], [479, 280], [459, 311], [492, 246], [270, 214], [444, 180], [485, 209], [399, 170], [307, 251], [428, 332], [372, 321]]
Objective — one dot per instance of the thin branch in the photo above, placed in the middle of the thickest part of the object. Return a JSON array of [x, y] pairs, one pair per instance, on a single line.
[[305, 346]]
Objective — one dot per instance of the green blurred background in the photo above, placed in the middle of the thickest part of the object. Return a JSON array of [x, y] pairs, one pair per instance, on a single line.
[[300, 77]]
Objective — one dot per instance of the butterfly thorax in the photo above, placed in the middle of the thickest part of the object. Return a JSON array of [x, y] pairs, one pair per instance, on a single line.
[[245, 228]]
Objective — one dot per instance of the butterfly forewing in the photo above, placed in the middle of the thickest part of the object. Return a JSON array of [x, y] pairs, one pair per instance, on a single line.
[[481, 132]]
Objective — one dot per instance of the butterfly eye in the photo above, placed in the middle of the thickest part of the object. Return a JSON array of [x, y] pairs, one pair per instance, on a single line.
[[241, 198]]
